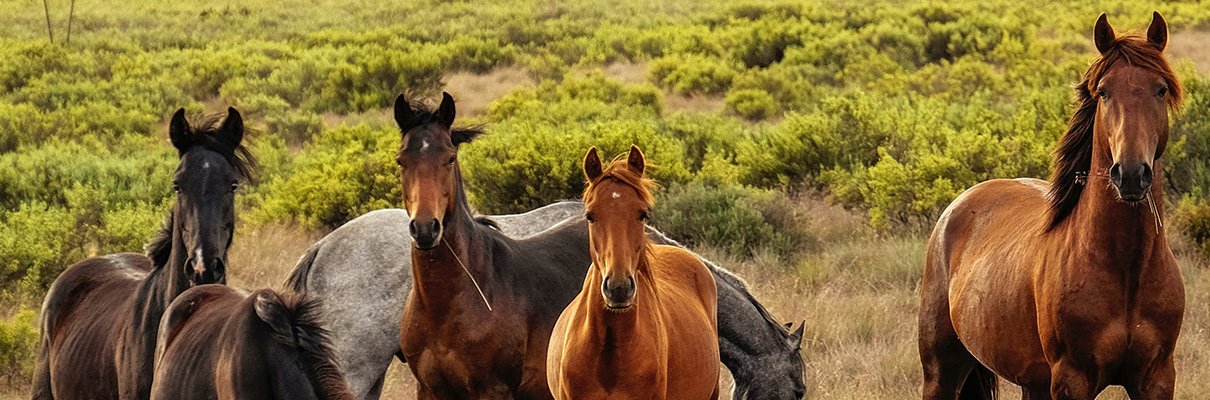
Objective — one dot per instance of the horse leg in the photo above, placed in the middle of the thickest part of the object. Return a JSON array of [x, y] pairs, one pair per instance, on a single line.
[[946, 361], [1157, 383], [1068, 381]]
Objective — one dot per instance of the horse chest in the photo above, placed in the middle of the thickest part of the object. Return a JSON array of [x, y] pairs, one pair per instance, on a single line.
[[458, 358]]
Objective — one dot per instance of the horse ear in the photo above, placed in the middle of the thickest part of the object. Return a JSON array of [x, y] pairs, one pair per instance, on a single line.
[[1103, 34], [592, 165], [795, 339], [178, 132], [233, 126], [789, 325], [1158, 31], [445, 113], [404, 116], [635, 160]]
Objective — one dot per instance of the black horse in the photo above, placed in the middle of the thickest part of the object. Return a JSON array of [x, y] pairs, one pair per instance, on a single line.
[[100, 317]]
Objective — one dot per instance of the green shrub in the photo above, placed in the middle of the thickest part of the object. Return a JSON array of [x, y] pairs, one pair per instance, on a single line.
[[752, 104], [347, 172], [1192, 217], [18, 342], [739, 219], [693, 73]]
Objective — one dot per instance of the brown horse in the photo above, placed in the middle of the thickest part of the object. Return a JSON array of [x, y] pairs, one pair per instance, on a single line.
[[644, 325], [1066, 287], [99, 318], [216, 342], [458, 346]]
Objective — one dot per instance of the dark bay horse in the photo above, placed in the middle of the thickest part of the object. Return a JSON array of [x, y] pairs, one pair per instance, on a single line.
[[99, 319], [481, 306], [364, 304], [1066, 287], [644, 325], [216, 342]]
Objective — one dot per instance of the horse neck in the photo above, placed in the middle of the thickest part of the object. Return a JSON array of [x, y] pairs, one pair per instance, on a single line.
[[618, 331], [1106, 225], [438, 275]]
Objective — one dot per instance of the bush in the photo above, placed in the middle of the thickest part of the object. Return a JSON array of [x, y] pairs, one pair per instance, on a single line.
[[347, 172], [1192, 216], [740, 219], [18, 342], [693, 73], [752, 104]]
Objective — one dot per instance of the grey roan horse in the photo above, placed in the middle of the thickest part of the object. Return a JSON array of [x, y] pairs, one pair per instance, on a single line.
[[362, 272]]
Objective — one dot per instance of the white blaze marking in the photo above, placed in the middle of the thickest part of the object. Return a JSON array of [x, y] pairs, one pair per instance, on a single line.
[[199, 261], [424, 144], [206, 165], [615, 195]]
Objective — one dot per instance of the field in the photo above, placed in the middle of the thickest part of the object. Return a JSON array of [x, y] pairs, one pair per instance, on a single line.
[[809, 146]]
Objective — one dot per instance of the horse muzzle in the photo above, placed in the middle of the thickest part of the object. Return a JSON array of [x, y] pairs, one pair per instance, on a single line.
[[426, 234], [1133, 181], [619, 293], [199, 273]]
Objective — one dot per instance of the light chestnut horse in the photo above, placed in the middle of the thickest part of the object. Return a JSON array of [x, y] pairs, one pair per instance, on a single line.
[[1066, 287], [644, 326]]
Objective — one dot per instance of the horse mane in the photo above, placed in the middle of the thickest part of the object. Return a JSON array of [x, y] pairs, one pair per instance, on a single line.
[[294, 321], [160, 246], [621, 172], [1073, 157]]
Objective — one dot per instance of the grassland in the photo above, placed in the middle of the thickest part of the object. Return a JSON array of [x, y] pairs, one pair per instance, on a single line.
[[807, 145]]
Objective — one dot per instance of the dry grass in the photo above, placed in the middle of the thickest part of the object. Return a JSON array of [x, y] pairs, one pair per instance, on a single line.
[[1192, 45], [263, 257], [475, 92]]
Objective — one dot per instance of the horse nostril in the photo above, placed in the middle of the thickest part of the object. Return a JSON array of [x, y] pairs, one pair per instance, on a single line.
[[412, 228], [1115, 174], [1145, 176]]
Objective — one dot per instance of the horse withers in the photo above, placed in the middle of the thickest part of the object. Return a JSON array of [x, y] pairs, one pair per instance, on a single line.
[[100, 316], [644, 325], [216, 342], [1068, 286]]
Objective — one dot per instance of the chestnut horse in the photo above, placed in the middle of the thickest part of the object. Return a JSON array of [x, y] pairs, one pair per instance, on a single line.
[[1066, 287], [216, 342], [644, 325], [100, 317]]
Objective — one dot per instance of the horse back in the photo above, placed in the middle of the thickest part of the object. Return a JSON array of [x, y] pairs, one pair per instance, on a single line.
[[188, 344], [81, 315]]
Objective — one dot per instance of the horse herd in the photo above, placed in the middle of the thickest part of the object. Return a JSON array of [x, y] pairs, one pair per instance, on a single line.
[[1062, 287]]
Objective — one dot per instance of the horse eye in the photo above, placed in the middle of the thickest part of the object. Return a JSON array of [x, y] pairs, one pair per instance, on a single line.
[[1103, 94], [1163, 91], [643, 216], [589, 217], [176, 188], [452, 159], [234, 187]]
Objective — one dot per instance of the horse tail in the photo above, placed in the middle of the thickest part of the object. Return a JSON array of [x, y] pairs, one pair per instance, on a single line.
[[980, 385], [294, 322], [297, 281]]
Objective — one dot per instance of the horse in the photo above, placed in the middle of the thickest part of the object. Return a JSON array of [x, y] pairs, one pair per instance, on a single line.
[[100, 316], [364, 305], [644, 325], [1066, 287], [216, 342]]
